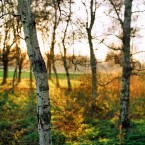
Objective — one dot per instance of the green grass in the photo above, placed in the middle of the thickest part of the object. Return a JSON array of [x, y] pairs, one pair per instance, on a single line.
[[63, 76], [26, 74]]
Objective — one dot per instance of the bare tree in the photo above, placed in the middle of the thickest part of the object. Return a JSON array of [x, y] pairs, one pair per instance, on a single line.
[[91, 14], [64, 56], [52, 55]]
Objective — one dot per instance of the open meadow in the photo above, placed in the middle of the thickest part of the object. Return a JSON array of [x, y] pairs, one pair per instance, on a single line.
[[74, 120]]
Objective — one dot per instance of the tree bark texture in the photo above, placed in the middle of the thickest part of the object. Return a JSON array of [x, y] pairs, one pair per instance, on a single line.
[[89, 28], [39, 70], [125, 95]]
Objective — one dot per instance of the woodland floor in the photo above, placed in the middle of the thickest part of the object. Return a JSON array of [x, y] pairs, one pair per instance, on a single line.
[[74, 120]]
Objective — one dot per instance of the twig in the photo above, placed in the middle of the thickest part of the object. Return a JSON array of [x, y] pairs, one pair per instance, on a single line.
[[110, 47], [109, 81], [117, 13], [14, 15], [138, 11]]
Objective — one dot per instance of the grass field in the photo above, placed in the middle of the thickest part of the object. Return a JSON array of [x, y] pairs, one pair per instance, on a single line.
[[26, 74]]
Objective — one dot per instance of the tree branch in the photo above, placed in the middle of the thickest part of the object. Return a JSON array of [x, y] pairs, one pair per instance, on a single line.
[[14, 15], [110, 47], [121, 22], [109, 81], [138, 11]]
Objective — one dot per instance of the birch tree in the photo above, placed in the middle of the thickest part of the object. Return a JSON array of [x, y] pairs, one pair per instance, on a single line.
[[126, 71], [39, 70], [126, 58], [91, 14]]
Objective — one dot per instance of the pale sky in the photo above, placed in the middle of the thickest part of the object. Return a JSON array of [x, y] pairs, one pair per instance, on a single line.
[[101, 25], [103, 22]]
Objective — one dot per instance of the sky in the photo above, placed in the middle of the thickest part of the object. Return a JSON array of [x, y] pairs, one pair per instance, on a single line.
[[101, 26], [103, 22], [82, 47]]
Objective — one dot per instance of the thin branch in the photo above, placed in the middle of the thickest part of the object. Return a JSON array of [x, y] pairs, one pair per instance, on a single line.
[[110, 47], [137, 52], [138, 11], [111, 16], [14, 15], [109, 81], [135, 74], [117, 13], [20, 37], [99, 4], [109, 34], [87, 25]]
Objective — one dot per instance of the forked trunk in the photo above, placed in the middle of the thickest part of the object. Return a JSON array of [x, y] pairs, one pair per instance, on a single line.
[[64, 57], [89, 28]]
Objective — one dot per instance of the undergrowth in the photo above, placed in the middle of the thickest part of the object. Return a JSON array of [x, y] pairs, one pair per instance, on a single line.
[[74, 120]]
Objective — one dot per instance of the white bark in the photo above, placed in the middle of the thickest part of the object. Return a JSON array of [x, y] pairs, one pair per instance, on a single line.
[[125, 96], [40, 72]]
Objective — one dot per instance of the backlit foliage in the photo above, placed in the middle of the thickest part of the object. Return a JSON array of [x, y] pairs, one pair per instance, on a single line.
[[74, 120]]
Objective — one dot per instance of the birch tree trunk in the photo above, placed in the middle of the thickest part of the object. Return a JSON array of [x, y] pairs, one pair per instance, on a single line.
[[40, 72], [125, 95]]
